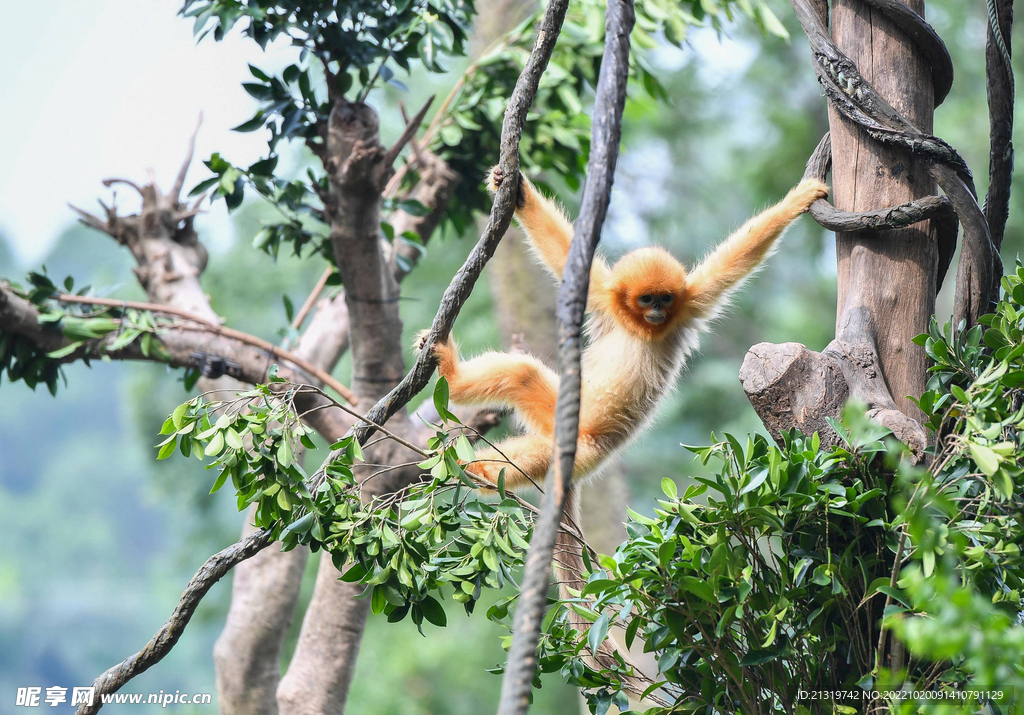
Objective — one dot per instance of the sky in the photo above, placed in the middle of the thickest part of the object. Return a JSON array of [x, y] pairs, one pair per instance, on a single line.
[[112, 88]]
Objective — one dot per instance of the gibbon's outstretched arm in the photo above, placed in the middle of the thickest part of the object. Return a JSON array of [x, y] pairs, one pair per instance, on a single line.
[[549, 230], [739, 255]]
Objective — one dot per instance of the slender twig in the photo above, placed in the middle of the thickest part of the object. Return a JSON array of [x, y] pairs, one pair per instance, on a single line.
[[410, 131], [362, 418], [300, 317], [179, 181]]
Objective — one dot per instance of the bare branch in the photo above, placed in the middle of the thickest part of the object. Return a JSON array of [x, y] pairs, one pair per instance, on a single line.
[[127, 182], [311, 299], [209, 573], [175, 193], [999, 72], [410, 131]]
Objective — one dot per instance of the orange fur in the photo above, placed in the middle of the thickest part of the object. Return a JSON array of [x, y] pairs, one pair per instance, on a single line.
[[633, 356]]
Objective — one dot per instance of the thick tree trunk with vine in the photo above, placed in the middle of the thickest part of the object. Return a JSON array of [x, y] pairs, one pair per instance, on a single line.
[[886, 279]]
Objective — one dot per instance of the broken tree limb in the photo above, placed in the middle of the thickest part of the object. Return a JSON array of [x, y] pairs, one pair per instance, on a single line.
[[791, 387], [230, 333]]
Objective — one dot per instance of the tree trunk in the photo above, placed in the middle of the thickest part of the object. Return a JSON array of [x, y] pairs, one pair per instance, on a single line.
[[891, 274], [886, 279]]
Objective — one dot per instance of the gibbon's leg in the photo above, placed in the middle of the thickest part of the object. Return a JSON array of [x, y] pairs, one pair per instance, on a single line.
[[740, 254], [549, 230], [519, 381], [525, 461]]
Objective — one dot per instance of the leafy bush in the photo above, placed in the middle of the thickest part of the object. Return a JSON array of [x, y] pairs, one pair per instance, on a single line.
[[778, 582]]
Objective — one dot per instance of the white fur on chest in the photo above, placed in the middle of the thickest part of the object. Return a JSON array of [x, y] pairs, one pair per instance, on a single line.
[[625, 377]]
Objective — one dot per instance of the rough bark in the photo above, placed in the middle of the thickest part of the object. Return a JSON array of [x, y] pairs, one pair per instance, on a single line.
[[886, 279], [891, 277], [321, 669], [1000, 90]]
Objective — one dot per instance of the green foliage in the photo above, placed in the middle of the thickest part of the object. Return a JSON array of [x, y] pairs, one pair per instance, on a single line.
[[354, 40], [356, 46], [556, 139], [409, 547], [779, 580], [88, 329], [750, 596]]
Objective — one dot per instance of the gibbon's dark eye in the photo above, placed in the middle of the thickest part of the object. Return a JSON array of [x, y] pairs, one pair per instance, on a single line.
[[666, 299], [646, 299]]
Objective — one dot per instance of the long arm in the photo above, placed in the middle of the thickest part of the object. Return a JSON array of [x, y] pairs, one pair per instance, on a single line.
[[744, 251], [549, 230]]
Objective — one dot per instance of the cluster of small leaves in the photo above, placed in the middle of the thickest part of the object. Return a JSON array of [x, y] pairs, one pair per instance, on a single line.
[[357, 44], [409, 548], [86, 327], [985, 639], [298, 201], [252, 439], [355, 41], [748, 596], [975, 395]]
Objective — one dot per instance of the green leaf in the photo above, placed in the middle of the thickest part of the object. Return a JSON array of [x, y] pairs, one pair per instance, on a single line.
[[357, 572], [597, 632], [987, 460], [433, 611], [378, 601], [215, 445], [464, 449], [66, 350], [669, 487], [168, 449], [758, 657], [221, 478]]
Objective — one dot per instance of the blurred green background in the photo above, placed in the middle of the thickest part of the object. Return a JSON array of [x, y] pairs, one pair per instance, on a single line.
[[102, 538]]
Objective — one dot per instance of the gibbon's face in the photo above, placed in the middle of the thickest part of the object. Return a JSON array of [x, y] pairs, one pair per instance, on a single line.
[[647, 291]]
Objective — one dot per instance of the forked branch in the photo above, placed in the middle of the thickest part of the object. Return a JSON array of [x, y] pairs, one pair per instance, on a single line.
[[417, 378]]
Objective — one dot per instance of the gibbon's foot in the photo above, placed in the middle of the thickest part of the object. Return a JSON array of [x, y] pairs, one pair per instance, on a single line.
[[801, 196], [496, 176], [445, 352], [420, 340]]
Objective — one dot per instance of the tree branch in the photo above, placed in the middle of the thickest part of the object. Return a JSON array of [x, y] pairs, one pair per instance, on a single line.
[[408, 133], [572, 300], [179, 181], [231, 333], [455, 297], [111, 680], [938, 208], [999, 72]]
